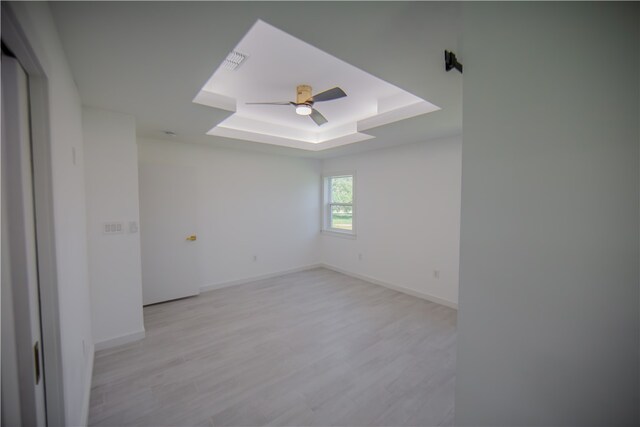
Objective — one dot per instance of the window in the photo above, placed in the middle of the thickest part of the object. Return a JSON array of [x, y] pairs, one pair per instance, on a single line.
[[338, 203]]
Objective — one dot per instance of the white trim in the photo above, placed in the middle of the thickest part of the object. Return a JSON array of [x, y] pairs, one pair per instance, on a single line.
[[84, 416], [221, 285], [121, 340], [402, 289], [14, 35], [342, 234], [326, 203]]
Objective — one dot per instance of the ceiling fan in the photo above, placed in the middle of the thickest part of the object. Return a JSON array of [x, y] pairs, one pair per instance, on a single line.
[[304, 102]]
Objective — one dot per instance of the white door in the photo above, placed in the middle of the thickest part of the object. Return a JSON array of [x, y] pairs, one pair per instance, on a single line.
[[22, 369], [167, 220]]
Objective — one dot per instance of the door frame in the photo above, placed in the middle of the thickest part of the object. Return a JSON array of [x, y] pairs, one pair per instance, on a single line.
[[14, 37]]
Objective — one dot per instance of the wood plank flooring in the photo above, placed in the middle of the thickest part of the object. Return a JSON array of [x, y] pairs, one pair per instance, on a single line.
[[305, 349]]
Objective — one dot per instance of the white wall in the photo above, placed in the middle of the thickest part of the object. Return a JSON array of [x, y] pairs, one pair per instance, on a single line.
[[69, 207], [548, 325], [111, 168], [256, 204], [407, 218], [247, 204]]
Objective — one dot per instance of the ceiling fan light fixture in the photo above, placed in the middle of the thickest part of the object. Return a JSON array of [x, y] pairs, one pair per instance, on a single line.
[[303, 110]]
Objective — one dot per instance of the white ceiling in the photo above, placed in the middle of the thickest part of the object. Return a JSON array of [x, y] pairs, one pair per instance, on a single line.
[[275, 63], [150, 59]]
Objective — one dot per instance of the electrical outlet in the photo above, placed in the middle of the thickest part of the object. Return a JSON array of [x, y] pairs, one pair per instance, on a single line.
[[359, 257], [436, 274], [255, 258]]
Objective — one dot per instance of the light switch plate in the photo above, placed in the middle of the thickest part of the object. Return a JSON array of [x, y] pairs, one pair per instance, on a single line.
[[114, 227]]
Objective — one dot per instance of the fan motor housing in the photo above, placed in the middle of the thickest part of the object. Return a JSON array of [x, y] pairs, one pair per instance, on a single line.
[[303, 94]]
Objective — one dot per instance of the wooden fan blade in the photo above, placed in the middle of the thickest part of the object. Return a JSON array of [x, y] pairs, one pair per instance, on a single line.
[[317, 117], [329, 95]]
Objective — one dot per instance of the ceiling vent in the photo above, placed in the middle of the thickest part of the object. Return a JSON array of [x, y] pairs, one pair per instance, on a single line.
[[234, 60]]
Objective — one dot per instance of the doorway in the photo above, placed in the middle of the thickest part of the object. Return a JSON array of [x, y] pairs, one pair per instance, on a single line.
[[22, 368], [32, 388]]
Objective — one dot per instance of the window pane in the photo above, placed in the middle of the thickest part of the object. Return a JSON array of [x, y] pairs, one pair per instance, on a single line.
[[342, 217], [342, 189]]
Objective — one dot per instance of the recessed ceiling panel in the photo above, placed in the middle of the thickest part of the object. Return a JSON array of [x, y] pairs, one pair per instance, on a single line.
[[268, 65]]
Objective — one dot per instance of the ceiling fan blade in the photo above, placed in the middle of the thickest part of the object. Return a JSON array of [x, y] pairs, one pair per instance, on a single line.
[[317, 117], [270, 103], [329, 95]]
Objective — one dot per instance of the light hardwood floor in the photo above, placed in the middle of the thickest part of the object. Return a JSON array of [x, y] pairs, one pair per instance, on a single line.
[[309, 348]]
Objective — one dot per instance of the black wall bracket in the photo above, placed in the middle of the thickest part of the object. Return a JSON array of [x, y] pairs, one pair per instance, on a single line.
[[451, 62]]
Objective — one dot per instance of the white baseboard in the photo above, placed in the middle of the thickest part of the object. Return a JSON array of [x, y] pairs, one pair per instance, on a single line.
[[255, 278], [122, 339], [402, 289], [86, 398]]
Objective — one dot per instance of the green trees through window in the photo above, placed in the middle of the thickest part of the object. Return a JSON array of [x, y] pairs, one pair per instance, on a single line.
[[341, 202], [342, 189]]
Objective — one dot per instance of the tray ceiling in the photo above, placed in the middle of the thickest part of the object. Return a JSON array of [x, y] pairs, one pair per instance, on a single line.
[[267, 65]]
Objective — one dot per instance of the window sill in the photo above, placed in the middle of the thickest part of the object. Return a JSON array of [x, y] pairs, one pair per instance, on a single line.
[[341, 234]]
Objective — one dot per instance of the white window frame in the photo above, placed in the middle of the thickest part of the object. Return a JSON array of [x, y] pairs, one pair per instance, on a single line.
[[327, 203]]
